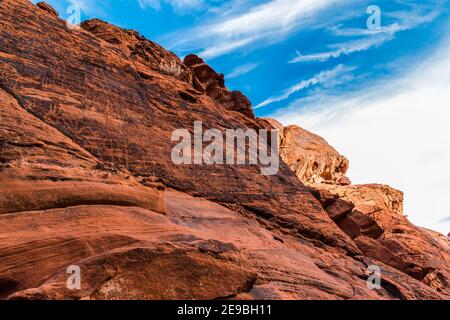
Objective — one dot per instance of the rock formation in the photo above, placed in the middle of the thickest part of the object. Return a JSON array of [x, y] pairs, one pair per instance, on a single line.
[[372, 215], [87, 180], [46, 7], [208, 81], [311, 158]]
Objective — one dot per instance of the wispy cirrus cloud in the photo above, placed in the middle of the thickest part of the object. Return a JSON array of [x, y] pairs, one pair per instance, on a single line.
[[337, 30], [226, 47], [260, 24], [241, 70], [176, 4], [327, 78], [371, 38], [91, 7], [394, 131], [345, 48]]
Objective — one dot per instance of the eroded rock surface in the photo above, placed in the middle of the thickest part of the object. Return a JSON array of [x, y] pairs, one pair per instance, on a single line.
[[208, 81], [48, 8], [311, 158], [87, 180], [372, 214]]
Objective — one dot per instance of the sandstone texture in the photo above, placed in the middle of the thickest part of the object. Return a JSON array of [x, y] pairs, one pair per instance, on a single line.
[[311, 158], [87, 179], [46, 7], [372, 215]]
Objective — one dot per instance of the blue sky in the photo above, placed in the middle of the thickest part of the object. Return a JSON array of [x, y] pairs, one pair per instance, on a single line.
[[380, 97]]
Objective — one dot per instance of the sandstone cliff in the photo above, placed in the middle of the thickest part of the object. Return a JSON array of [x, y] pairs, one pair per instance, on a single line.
[[372, 215], [86, 179]]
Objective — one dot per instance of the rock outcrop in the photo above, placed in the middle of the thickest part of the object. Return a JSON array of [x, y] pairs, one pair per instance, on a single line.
[[46, 7], [87, 180], [208, 81], [372, 214], [311, 158]]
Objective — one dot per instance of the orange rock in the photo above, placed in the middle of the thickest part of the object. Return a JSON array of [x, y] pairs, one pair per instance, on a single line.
[[87, 180], [46, 7], [370, 214], [213, 84], [311, 158]]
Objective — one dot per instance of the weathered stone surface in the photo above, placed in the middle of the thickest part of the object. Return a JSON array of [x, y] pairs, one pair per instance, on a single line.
[[371, 197], [366, 225], [370, 214], [213, 84], [42, 169], [87, 180], [339, 209], [169, 273], [377, 251], [271, 124], [380, 212], [311, 158], [89, 90], [46, 7], [135, 253], [143, 54]]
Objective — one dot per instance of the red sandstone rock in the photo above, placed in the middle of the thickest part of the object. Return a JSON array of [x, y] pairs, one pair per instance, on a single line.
[[87, 180], [375, 250], [143, 55], [209, 81], [339, 209], [46, 7], [370, 214], [311, 158]]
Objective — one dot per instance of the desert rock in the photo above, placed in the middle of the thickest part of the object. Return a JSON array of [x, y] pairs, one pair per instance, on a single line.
[[87, 180], [372, 214], [46, 7], [311, 158]]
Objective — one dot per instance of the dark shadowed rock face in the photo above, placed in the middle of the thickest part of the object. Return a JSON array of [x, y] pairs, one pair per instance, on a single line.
[[86, 179]]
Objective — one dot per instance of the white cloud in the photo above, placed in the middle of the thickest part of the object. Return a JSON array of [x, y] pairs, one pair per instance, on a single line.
[[226, 47], [90, 7], [352, 32], [396, 133], [241, 70], [345, 48], [176, 4], [274, 15], [327, 78], [263, 23], [372, 38]]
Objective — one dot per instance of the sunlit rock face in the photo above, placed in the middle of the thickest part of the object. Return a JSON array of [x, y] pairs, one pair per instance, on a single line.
[[311, 158], [371, 214], [86, 180]]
